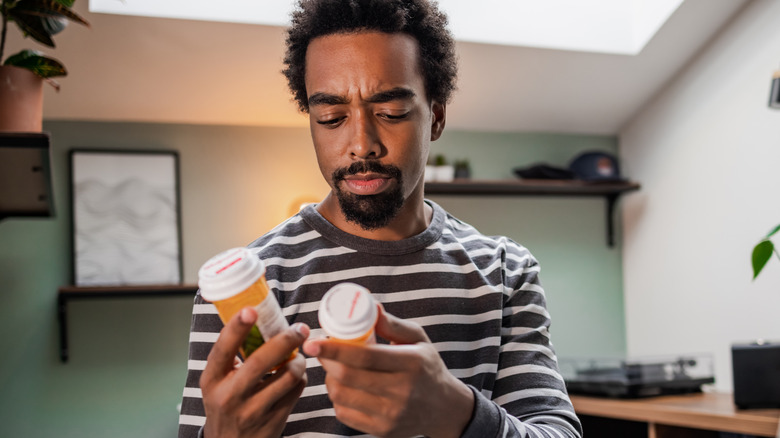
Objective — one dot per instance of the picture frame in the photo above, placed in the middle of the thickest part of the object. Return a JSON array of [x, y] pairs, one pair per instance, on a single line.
[[125, 217]]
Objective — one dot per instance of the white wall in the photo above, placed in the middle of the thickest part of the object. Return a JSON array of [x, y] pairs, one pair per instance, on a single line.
[[707, 152]]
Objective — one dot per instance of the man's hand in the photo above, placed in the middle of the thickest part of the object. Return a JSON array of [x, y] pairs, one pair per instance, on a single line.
[[398, 390], [246, 400]]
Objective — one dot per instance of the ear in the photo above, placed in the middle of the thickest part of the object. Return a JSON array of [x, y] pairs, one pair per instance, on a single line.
[[438, 119]]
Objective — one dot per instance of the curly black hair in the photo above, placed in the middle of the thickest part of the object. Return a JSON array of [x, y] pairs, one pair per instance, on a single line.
[[420, 19]]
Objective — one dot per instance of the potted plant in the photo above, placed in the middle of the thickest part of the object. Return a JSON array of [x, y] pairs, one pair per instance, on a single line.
[[444, 172], [762, 252], [22, 73], [462, 169]]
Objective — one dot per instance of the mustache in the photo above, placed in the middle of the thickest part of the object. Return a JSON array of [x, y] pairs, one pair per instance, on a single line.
[[367, 166]]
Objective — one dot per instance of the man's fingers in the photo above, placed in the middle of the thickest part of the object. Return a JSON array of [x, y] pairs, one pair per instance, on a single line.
[[367, 381], [279, 412], [397, 330], [276, 386], [288, 382], [273, 352], [223, 352], [387, 358], [357, 419]]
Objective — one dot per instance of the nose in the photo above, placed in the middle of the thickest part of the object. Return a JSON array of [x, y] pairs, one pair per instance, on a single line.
[[364, 141]]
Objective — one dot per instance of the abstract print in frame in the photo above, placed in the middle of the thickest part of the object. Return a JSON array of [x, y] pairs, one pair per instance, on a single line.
[[125, 212]]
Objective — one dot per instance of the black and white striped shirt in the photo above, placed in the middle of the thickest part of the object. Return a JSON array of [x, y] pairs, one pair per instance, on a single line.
[[478, 299]]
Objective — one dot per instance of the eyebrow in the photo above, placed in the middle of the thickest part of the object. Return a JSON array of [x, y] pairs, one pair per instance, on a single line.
[[398, 93], [326, 99]]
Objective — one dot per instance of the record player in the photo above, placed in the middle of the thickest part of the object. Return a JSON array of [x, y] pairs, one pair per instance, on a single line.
[[635, 378]]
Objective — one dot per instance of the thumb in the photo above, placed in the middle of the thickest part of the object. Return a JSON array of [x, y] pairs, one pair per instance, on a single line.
[[397, 330]]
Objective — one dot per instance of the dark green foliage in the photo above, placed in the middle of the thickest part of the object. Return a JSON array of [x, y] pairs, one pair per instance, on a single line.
[[39, 20]]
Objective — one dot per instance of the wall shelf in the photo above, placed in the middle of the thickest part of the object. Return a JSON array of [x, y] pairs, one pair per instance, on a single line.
[[610, 191], [67, 293]]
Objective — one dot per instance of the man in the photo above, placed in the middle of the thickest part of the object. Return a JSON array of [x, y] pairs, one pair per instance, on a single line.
[[468, 351]]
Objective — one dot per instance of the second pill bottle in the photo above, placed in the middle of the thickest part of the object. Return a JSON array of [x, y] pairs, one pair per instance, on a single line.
[[348, 313]]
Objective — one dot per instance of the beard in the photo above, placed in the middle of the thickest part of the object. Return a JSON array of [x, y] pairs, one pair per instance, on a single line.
[[370, 212]]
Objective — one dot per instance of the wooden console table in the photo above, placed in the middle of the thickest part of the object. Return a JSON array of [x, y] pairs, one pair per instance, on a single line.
[[689, 415]]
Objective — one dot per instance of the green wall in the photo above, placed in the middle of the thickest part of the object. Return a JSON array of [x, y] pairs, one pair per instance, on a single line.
[[128, 356], [581, 275]]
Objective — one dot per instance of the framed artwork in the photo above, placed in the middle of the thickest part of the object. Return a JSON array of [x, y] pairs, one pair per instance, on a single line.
[[126, 225]]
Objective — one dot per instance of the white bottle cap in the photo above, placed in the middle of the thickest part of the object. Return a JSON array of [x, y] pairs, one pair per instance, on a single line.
[[347, 311], [229, 273]]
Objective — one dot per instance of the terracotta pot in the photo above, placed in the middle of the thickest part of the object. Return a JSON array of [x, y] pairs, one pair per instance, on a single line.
[[21, 100]]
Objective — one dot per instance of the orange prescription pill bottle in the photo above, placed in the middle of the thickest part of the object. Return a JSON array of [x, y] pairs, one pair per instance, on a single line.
[[349, 313], [235, 279]]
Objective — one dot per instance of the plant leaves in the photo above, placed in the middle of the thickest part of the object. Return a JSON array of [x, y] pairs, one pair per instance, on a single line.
[[40, 19], [771, 233], [37, 63], [66, 3], [32, 26], [46, 8], [54, 25], [761, 254]]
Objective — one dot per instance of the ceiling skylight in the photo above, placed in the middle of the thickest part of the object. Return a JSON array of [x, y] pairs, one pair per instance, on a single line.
[[607, 26]]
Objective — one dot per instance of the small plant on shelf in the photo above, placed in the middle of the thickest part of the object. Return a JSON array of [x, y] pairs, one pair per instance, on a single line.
[[462, 169]]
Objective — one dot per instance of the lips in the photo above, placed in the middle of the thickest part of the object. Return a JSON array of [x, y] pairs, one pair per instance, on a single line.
[[367, 177], [367, 184]]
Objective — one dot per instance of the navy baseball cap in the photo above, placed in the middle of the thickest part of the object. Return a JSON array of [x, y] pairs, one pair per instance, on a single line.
[[596, 166]]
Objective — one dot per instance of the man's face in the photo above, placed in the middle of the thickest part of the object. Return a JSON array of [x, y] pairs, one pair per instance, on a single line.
[[371, 121]]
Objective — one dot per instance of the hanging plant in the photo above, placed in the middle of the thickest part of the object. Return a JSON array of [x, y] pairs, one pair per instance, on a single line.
[[39, 20]]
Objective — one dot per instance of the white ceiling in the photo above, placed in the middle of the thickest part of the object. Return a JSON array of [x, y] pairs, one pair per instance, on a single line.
[[605, 26], [127, 68]]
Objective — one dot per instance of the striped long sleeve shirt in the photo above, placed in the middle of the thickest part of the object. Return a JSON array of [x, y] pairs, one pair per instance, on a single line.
[[478, 298]]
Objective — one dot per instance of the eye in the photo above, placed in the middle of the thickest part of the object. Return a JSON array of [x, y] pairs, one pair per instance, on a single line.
[[393, 117], [330, 123]]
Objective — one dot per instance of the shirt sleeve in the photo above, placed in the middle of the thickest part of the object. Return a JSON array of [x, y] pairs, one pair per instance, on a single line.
[[204, 330], [529, 398]]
